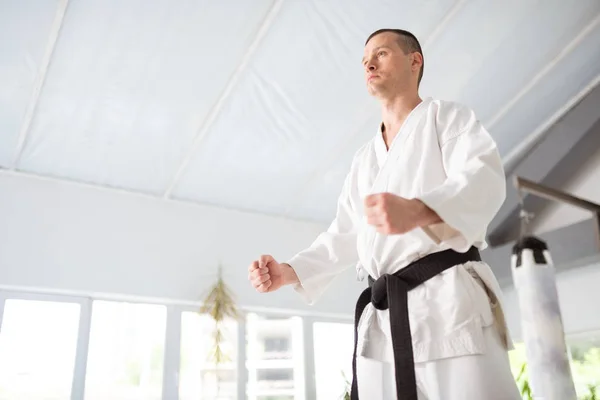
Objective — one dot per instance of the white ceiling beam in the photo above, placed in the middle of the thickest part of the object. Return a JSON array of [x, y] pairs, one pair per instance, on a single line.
[[565, 51], [516, 155], [217, 107], [39, 80], [142, 195]]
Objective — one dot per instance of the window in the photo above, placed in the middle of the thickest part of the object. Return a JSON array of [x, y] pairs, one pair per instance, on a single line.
[[517, 358], [126, 351], [275, 358], [38, 342], [284, 375], [334, 344], [199, 378], [277, 345], [585, 363]]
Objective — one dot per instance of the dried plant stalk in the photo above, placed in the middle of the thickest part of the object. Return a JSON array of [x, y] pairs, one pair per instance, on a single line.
[[219, 303]]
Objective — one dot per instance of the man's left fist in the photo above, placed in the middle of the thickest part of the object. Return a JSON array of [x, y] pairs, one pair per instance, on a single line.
[[392, 214]]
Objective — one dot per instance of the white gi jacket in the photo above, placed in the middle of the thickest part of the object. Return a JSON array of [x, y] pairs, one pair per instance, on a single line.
[[443, 156]]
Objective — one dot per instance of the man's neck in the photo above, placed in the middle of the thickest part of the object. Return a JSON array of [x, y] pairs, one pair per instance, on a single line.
[[393, 113]]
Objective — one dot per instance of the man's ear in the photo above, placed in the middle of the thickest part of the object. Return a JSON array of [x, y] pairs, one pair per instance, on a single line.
[[416, 61]]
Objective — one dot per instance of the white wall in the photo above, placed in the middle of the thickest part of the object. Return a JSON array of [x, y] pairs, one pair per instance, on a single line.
[[68, 237], [579, 297]]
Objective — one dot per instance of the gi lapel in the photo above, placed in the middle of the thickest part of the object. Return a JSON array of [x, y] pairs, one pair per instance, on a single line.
[[407, 128], [381, 180]]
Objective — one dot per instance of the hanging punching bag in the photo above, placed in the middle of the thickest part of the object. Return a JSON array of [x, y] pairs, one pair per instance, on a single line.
[[541, 323]]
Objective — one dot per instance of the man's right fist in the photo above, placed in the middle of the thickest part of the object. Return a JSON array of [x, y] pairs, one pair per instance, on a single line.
[[266, 274]]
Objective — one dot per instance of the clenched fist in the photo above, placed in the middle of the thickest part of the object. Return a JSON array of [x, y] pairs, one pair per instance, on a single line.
[[392, 214], [267, 275]]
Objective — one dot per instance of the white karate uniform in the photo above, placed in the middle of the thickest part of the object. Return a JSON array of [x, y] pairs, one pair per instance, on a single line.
[[443, 156]]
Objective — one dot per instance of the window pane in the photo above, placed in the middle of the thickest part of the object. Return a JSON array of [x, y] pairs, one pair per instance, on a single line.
[[334, 344], [275, 358], [198, 376], [517, 358], [585, 363], [37, 349], [126, 351]]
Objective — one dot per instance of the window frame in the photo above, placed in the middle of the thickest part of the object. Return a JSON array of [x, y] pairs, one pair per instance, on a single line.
[[172, 355], [83, 332]]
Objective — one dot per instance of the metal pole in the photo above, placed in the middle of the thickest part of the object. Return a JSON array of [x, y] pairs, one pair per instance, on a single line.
[[525, 185], [554, 194]]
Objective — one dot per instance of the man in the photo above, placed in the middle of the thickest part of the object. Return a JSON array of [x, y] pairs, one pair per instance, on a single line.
[[413, 213]]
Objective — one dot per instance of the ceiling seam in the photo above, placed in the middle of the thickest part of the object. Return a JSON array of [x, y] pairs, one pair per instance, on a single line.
[[40, 80], [217, 107], [427, 43], [443, 23], [547, 68], [517, 154], [144, 195]]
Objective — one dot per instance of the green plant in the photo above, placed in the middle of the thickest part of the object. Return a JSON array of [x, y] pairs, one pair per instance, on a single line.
[[527, 394], [523, 382], [346, 395], [592, 393]]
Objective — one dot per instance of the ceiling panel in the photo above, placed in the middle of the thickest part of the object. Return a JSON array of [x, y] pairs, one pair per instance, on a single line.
[[540, 36], [547, 96], [317, 199], [319, 202], [25, 28], [129, 85], [299, 99], [470, 38]]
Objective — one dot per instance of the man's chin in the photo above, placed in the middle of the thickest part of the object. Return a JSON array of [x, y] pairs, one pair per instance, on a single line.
[[373, 90]]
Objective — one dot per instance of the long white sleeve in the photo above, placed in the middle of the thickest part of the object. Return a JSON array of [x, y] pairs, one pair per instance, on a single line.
[[473, 191], [332, 252]]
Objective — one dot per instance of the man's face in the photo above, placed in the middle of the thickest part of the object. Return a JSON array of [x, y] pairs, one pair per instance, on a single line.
[[387, 68]]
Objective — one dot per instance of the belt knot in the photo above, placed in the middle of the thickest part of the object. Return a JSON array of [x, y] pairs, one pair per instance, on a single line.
[[380, 290]]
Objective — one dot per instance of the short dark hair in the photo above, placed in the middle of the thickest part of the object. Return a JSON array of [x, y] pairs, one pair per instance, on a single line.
[[407, 41]]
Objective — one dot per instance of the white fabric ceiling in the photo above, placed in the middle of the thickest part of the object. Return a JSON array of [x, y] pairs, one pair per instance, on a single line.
[[259, 105]]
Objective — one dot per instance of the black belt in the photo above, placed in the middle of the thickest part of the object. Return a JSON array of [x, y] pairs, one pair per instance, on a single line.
[[391, 291]]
